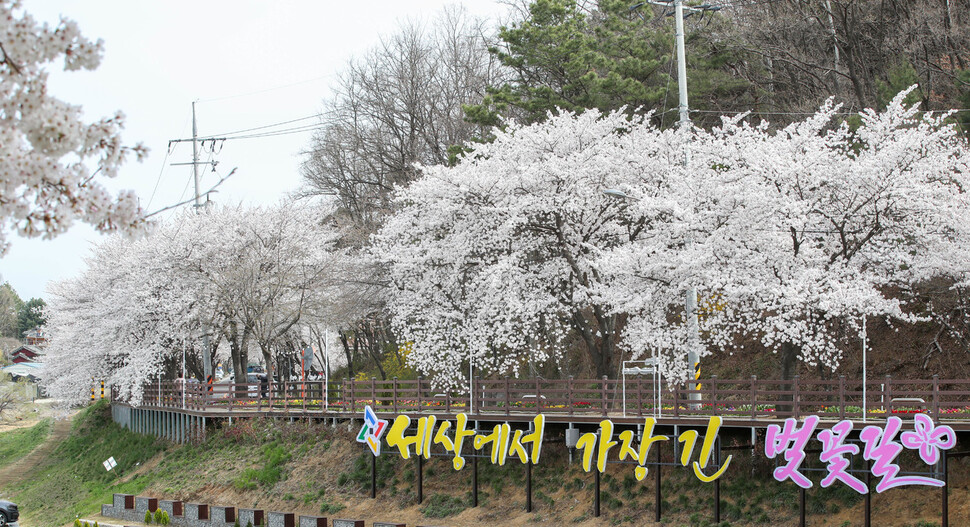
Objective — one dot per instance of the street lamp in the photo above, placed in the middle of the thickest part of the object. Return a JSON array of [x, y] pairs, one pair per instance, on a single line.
[[690, 306]]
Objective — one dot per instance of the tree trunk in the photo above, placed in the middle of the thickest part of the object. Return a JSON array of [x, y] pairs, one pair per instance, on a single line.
[[789, 366], [347, 352], [268, 360]]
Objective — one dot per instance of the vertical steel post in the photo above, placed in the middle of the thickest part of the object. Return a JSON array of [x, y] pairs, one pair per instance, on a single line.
[[801, 507], [420, 478], [867, 520], [657, 497], [596, 492], [373, 476], [717, 484], [528, 486], [945, 490], [474, 480]]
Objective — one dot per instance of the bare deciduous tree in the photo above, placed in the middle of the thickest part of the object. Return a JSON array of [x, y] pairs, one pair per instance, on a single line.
[[861, 52]]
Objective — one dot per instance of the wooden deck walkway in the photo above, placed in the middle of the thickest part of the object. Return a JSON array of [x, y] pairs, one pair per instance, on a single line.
[[749, 403]]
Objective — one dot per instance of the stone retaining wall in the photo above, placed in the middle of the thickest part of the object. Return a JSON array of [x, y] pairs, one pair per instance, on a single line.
[[127, 507]]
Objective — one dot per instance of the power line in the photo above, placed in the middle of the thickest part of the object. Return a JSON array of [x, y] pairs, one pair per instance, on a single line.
[[286, 131], [168, 151], [224, 134], [267, 89]]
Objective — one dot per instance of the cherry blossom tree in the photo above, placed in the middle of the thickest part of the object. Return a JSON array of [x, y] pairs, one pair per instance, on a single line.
[[494, 260], [46, 150], [244, 275], [790, 238], [793, 237]]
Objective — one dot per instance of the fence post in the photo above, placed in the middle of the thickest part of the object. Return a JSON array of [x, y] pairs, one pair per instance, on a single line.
[[353, 399], [604, 401], [477, 402], [795, 398], [841, 397], [373, 391], [754, 396], [569, 394], [395, 395], [508, 397], [677, 400], [936, 397], [640, 396], [538, 399], [420, 407], [887, 395], [714, 394]]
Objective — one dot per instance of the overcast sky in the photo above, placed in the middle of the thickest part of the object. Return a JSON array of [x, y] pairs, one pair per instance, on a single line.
[[247, 63]]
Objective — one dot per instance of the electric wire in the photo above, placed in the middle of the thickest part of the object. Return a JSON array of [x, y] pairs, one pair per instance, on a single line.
[[168, 152], [263, 127], [256, 92]]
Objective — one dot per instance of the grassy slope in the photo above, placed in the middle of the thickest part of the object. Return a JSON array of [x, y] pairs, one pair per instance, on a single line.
[[313, 469], [73, 481], [18, 443]]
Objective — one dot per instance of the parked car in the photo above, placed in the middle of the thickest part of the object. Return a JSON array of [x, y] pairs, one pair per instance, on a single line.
[[8, 513]]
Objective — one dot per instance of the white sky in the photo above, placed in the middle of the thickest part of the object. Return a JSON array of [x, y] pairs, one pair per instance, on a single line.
[[248, 64]]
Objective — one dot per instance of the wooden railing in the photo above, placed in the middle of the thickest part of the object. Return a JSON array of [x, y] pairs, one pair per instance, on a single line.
[[738, 398]]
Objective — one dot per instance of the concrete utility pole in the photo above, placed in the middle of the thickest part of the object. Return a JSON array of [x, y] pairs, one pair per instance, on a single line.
[[195, 158], [206, 355], [690, 302]]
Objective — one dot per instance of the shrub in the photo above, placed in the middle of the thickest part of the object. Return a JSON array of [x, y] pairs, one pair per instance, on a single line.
[[158, 516], [331, 508], [148, 517], [442, 505]]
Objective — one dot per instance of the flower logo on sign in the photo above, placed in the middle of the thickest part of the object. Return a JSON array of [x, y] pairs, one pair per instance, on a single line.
[[929, 439], [372, 431]]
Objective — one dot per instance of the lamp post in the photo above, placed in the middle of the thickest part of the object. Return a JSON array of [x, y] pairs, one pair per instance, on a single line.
[[690, 307], [865, 413]]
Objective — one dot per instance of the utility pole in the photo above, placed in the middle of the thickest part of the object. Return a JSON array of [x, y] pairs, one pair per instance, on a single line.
[[690, 301], [195, 158], [206, 354]]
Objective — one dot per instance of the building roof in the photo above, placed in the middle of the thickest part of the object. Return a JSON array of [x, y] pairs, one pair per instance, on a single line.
[[25, 369], [37, 333], [27, 347]]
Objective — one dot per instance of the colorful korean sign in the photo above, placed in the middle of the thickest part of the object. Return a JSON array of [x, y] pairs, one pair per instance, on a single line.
[[786, 442]]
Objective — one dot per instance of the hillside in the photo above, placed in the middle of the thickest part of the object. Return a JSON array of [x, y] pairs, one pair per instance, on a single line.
[[315, 468]]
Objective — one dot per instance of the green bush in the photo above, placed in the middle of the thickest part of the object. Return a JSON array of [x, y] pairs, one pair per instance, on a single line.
[[148, 517], [442, 505], [331, 508], [274, 457]]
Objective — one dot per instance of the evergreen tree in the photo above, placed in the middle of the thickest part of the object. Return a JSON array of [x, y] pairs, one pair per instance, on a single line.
[[563, 56], [30, 316], [10, 305]]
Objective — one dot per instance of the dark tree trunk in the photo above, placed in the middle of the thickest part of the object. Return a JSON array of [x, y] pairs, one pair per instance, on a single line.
[[789, 366], [348, 353]]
